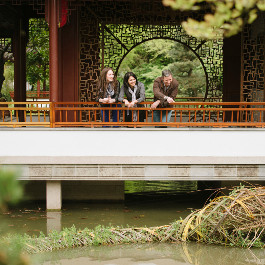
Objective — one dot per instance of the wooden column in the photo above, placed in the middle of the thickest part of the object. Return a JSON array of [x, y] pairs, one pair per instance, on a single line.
[[232, 69], [54, 61], [69, 60], [19, 47], [232, 73]]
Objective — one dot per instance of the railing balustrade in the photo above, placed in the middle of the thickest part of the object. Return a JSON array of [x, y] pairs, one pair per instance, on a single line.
[[46, 95], [24, 114], [88, 114], [34, 94]]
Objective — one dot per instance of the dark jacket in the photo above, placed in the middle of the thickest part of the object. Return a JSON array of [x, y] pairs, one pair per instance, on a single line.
[[140, 93], [159, 92], [100, 93]]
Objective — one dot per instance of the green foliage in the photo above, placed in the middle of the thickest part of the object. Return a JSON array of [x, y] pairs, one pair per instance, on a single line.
[[8, 84], [38, 51], [225, 18], [149, 59], [12, 253], [10, 193], [10, 189]]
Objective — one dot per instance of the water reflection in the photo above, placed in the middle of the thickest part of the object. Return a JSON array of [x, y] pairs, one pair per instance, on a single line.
[[87, 214], [156, 254], [54, 221]]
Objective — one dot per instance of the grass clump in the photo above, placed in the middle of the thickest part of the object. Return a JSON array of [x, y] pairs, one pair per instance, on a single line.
[[236, 220]]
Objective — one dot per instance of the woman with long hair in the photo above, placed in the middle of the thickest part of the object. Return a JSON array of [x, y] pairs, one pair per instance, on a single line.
[[108, 89], [135, 93]]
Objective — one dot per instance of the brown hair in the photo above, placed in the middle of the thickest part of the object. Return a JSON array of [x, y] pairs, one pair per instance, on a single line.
[[103, 84]]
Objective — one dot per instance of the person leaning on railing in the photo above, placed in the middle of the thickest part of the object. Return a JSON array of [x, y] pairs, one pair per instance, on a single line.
[[135, 93], [165, 90], [108, 89]]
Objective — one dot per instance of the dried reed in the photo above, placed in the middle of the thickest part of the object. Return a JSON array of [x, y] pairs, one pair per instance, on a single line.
[[234, 220]]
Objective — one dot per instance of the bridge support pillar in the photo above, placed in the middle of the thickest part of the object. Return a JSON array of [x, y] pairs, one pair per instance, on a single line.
[[53, 195]]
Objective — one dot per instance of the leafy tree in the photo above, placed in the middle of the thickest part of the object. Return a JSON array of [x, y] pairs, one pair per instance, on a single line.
[[38, 52], [149, 59], [8, 84], [5, 56], [223, 18]]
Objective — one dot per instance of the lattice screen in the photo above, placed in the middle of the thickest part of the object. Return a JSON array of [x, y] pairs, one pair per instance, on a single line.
[[4, 42], [120, 39], [253, 64], [110, 30]]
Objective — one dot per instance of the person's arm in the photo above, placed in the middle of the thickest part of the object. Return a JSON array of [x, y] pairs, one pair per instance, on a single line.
[[174, 91], [116, 98], [99, 96], [142, 93], [155, 104], [157, 93], [103, 100], [121, 94]]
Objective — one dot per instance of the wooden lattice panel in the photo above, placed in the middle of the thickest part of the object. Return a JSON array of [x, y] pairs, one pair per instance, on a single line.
[[4, 42], [253, 66], [39, 5], [110, 29]]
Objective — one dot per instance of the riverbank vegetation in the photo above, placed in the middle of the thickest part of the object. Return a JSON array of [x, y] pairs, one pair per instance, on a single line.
[[11, 192], [235, 220]]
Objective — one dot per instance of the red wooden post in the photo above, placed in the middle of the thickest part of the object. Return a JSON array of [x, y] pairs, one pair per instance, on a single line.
[[54, 61], [19, 47], [38, 89]]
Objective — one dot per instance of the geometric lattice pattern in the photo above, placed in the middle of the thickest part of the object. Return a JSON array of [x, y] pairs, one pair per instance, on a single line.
[[253, 66], [109, 30], [39, 5], [4, 42], [121, 39], [89, 56]]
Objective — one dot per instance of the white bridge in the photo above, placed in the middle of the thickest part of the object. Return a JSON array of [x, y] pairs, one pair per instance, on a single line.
[[112, 155]]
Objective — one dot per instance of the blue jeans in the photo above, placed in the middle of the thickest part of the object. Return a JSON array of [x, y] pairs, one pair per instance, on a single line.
[[114, 113], [166, 115]]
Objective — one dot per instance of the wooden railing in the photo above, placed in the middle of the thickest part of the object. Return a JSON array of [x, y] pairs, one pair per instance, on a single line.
[[46, 95], [24, 114], [192, 99], [88, 114], [34, 94]]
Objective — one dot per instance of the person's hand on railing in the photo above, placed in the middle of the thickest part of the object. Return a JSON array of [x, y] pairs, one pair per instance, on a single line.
[[126, 102], [104, 100], [155, 104], [112, 100], [131, 104], [134, 102], [170, 100]]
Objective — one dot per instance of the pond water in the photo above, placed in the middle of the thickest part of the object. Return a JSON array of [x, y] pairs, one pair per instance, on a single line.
[[147, 203], [155, 254], [151, 206]]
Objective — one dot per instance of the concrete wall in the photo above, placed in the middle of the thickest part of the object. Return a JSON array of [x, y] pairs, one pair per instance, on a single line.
[[78, 190], [84, 146], [134, 154]]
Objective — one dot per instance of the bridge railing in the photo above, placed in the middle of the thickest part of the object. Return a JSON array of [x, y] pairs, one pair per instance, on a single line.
[[25, 114], [88, 114], [34, 95], [38, 95]]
